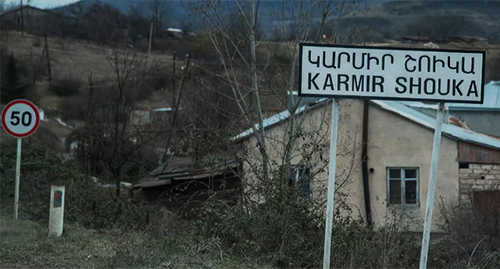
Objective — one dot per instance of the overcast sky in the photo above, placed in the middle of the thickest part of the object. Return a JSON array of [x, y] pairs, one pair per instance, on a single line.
[[48, 3]]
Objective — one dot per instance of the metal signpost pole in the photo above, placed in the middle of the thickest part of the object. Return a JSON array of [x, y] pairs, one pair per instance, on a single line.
[[432, 186], [18, 174], [20, 118], [326, 71], [331, 183]]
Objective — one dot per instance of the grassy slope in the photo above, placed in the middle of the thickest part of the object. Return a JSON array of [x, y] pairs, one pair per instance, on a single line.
[[70, 58], [403, 13], [24, 244]]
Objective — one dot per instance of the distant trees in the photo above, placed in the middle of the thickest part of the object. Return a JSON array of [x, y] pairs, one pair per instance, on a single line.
[[137, 24], [12, 87], [109, 142], [159, 10], [439, 26], [2, 5], [248, 71], [104, 23]]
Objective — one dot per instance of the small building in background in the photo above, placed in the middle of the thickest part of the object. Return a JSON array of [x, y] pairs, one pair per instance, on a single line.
[[33, 20], [174, 33], [483, 118], [399, 146], [184, 184], [157, 116]]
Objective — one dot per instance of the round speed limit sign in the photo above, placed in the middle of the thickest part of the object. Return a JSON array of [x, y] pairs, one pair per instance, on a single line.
[[20, 118]]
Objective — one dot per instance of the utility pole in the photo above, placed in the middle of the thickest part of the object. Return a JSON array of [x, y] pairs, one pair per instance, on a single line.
[[150, 37], [48, 58], [173, 81], [22, 19]]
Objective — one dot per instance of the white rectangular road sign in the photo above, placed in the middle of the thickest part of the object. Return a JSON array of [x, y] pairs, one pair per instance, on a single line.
[[391, 73]]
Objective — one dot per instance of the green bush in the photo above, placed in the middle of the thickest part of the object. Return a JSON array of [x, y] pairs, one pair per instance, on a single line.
[[289, 231], [66, 87], [86, 203], [72, 108]]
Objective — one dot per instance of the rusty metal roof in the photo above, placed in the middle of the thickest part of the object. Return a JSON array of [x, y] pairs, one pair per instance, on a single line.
[[183, 168], [153, 183]]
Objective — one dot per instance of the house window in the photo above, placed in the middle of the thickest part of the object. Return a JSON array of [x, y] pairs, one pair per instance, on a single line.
[[402, 184], [303, 179]]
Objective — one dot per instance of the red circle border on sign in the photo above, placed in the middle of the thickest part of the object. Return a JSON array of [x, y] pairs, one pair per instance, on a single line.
[[37, 118]]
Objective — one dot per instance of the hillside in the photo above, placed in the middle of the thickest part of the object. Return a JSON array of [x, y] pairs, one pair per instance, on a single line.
[[74, 60], [458, 18], [387, 19], [180, 11]]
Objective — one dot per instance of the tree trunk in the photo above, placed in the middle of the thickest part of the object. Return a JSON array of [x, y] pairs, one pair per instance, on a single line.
[[261, 132]]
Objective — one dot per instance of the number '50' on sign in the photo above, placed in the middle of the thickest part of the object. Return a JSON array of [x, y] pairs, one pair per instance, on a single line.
[[20, 118]]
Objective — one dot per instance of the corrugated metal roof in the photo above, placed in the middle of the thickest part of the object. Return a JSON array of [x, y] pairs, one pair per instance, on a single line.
[[13, 8], [491, 100], [183, 168], [276, 119], [401, 109], [153, 183], [429, 122]]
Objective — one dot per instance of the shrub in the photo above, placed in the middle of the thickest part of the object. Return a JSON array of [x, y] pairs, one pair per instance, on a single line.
[[289, 231], [66, 87], [86, 203], [72, 108], [470, 241], [12, 86], [37, 41]]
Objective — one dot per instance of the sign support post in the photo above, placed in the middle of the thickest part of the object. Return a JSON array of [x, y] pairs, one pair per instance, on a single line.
[[18, 175], [20, 118], [331, 183], [432, 186], [427, 75]]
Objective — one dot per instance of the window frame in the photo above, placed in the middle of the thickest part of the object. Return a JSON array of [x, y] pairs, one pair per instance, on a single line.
[[403, 185], [297, 169]]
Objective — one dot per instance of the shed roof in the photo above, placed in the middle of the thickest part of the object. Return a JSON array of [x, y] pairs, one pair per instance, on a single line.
[[491, 101], [399, 108], [18, 7], [430, 122], [184, 168], [278, 118]]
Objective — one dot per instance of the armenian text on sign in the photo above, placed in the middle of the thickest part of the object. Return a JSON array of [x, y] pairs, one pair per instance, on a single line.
[[391, 73]]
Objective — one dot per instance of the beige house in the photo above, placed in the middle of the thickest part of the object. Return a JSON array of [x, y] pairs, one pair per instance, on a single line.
[[399, 146]]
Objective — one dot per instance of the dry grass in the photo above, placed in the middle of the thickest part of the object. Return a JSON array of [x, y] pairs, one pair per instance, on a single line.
[[25, 244], [69, 57]]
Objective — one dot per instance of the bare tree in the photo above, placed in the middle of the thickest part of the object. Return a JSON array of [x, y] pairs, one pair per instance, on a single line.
[[438, 26], [2, 5], [137, 23], [229, 46], [78, 11], [159, 10], [248, 75], [110, 139]]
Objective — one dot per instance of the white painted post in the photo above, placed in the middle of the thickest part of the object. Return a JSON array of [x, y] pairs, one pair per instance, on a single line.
[[18, 175], [432, 186], [331, 184], [56, 215]]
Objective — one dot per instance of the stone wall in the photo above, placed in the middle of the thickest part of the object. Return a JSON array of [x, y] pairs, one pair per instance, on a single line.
[[478, 177]]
